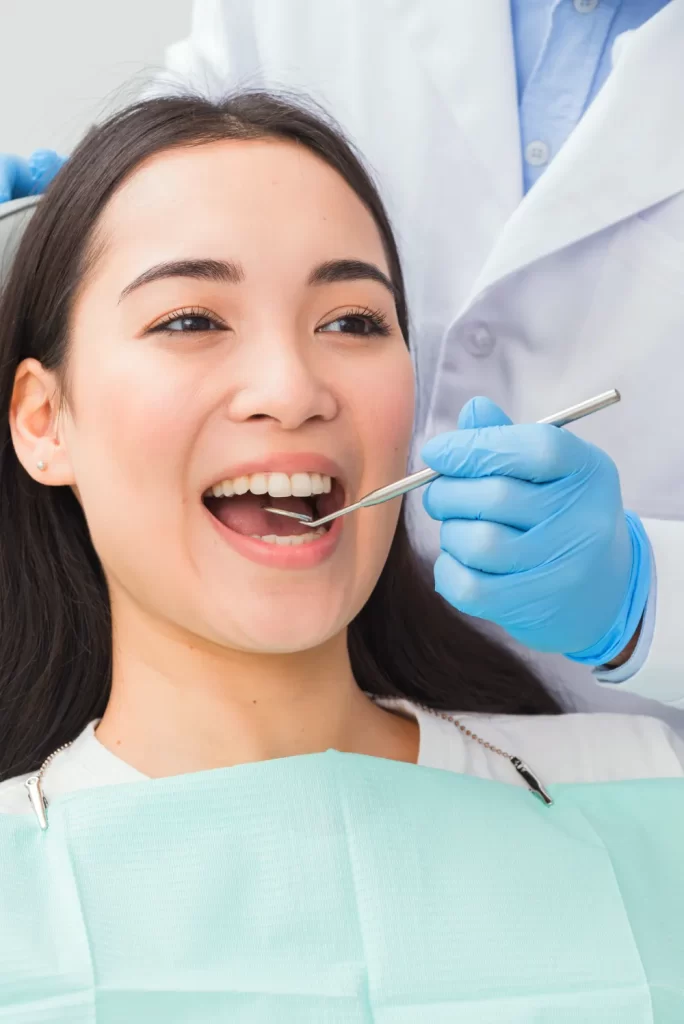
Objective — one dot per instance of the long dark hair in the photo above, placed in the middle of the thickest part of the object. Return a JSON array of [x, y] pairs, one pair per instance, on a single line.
[[55, 624]]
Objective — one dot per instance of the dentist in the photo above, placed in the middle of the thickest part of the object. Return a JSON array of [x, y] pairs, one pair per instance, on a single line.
[[532, 163]]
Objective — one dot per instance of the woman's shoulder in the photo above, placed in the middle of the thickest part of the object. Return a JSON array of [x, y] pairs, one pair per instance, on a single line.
[[600, 744], [571, 747], [66, 774], [86, 763]]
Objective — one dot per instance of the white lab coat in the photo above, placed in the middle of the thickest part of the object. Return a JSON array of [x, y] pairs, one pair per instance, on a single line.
[[537, 301]]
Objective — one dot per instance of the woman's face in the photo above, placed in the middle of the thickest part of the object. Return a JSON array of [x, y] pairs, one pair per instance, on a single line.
[[237, 331]]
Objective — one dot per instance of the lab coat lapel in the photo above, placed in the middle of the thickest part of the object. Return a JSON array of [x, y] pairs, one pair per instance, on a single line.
[[626, 154], [466, 50]]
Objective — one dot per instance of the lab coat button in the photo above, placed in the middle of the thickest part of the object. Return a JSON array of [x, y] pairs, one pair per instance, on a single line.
[[585, 6], [536, 153], [479, 340]]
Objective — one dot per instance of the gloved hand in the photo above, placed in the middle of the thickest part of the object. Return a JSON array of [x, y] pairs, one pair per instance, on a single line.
[[534, 536], [19, 178]]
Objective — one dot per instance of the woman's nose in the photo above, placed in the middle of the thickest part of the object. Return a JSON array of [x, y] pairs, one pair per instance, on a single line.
[[283, 383]]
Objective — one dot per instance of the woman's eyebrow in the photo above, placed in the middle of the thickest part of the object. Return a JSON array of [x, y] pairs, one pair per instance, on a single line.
[[205, 270], [232, 273], [350, 270]]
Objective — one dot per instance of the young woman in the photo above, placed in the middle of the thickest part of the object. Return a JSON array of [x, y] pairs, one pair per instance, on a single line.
[[206, 315]]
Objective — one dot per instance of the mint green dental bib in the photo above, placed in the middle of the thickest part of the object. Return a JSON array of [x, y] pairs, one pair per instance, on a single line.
[[339, 889]]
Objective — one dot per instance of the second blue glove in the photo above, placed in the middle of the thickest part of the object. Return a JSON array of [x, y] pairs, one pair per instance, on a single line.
[[20, 178]]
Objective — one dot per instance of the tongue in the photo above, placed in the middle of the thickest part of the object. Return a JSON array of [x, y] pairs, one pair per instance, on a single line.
[[244, 514]]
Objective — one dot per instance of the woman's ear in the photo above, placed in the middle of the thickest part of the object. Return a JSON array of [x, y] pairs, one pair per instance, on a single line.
[[34, 419]]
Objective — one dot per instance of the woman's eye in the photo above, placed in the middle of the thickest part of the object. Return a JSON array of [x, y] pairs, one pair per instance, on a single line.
[[188, 322], [366, 323]]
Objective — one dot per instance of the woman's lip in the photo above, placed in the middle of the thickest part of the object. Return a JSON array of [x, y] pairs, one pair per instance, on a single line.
[[281, 556]]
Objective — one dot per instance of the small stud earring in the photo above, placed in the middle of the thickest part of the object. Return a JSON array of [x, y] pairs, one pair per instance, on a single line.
[[41, 464]]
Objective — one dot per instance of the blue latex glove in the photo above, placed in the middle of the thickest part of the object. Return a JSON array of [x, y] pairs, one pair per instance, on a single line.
[[19, 178], [534, 536]]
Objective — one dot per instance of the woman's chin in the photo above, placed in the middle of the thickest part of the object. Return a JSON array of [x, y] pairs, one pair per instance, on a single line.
[[276, 627]]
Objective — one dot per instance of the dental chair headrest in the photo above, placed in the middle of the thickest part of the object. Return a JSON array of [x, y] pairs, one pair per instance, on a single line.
[[14, 216]]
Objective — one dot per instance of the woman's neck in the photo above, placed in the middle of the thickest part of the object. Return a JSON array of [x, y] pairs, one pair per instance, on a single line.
[[178, 706]]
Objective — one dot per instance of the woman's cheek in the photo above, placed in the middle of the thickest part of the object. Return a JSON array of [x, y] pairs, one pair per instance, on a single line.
[[139, 419], [385, 407], [388, 416]]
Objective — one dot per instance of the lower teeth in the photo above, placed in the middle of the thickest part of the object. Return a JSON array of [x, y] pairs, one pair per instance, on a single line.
[[301, 538]]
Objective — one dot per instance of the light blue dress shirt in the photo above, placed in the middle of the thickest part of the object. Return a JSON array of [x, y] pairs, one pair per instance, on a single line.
[[563, 55]]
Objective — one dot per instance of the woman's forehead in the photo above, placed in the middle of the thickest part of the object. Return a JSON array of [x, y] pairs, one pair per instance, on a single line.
[[250, 200]]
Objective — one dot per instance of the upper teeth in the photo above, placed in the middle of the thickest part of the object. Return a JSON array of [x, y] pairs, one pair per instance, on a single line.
[[278, 485]]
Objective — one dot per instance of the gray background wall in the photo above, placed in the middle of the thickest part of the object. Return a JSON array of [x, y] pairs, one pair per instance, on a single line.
[[64, 62]]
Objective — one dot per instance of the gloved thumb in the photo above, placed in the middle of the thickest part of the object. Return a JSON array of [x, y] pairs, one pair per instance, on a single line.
[[481, 412], [450, 453]]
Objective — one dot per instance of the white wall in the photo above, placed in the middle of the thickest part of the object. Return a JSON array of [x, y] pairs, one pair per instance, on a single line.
[[65, 62]]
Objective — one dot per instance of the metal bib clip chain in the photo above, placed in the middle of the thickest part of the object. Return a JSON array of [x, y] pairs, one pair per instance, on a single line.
[[532, 781], [36, 796]]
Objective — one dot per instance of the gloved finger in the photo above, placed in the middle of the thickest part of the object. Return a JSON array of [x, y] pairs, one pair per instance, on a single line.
[[481, 412], [467, 590], [489, 547], [472, 591], [536, 451], [498, 499], [43, 165], [15, 178], [486, 596]]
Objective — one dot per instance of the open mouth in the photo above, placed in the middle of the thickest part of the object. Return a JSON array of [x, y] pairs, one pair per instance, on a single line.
[[239, 504]]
